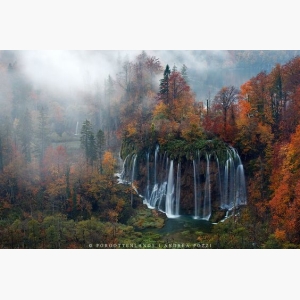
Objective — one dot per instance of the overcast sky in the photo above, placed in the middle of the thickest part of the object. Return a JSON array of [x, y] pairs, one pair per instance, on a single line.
[[64, 70]]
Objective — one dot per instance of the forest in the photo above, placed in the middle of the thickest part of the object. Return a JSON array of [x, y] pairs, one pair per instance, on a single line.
[[63, 150]]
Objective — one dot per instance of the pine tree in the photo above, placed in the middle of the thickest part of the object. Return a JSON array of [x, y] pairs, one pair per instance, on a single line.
[[88, 142], [164, 86], [184, 73], [92, 148], [174, 69]]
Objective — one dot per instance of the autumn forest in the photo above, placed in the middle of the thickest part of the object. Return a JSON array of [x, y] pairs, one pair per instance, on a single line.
[[89, 163]]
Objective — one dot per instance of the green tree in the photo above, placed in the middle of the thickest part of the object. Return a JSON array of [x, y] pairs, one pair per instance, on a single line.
[[164, 86], [52, 236], [88, 142], [33, 233]]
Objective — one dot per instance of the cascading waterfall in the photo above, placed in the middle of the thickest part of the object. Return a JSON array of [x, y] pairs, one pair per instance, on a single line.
[[178, 183], [127, 175], [196, 198], [156, 192], [217, 177], [206, 211], [132, 176], [170, 192], [164, 186], [225, 203], [234, 186], [155, 162], [148, 177], [122, 174], [231, 182], [219, 181], [241, 186], [240, 197]]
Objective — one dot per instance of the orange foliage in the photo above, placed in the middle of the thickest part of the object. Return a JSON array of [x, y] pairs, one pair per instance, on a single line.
[[280, 235], [244, 108], [190, 128], [108, 163], [131, 128], [160, 111], [245, 90], [285, 204]]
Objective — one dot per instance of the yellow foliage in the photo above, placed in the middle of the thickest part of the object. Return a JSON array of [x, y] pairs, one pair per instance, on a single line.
[[160, 111], [131, 128], [190, 128], [108, 163]]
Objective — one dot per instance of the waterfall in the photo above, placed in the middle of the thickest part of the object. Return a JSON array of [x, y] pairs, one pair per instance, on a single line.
[[157, 194], [225, 186], [164, 185], [132, 176], [170, 193], [216, 180], [206, 210], [148, 177], [122, 174], [178, 184], [196, 204], [234, 185], [241, 197], [231, 182], [155, 162], [156, 190], [219, 182]]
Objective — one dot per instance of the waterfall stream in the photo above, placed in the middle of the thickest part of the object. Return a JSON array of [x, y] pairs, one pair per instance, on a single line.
[[217, 180]]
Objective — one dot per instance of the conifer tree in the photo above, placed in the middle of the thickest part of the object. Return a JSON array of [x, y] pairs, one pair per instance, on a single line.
[[88, 142], [164, 86], [184, 73]]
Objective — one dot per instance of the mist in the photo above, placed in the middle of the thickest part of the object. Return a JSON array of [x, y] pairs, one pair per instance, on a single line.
[[67, 72], [76, 80]]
